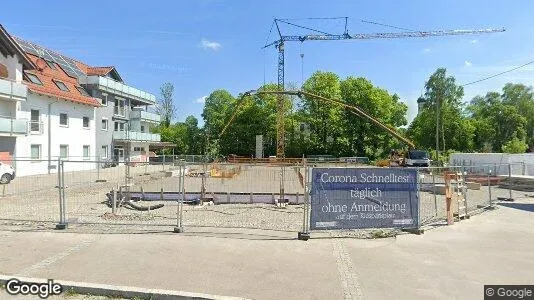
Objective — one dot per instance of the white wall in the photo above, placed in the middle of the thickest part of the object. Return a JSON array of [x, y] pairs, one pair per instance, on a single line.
[[74, 135], [14, 68], [521, 164]]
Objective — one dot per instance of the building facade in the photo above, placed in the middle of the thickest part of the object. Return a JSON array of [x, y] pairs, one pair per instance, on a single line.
[[54, 107]]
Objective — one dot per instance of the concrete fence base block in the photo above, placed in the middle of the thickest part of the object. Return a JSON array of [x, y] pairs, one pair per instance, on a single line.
[[101, 180], [417, 231], [61, 226], [127, 292], [303, 236], [178, 229]]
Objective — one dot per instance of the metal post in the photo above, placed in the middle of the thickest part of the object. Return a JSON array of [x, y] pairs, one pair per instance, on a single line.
[[179, 228], [114, 202], [61, 185], [203, 184], [434, 191], [282, 177], [163, 162], [304, 235], [510, 198], [489, 188]]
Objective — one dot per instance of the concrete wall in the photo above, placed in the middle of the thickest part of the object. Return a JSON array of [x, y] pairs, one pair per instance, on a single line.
[[74, 135], [497, 163], [14, 67]]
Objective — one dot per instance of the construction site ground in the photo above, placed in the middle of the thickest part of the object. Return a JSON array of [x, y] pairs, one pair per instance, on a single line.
[[446, 262]]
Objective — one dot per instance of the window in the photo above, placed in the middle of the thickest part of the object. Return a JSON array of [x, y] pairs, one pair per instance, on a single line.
[[51, 64], [138, 149], [142, 128], [63, 151], [35, 151], [61, 85], [63, 119], [34, 79], [104, 152], [104, 124], [119, 107], [83, 91], [119, 126], [86, 152], [35, 120], [85, 122], [104, 99]]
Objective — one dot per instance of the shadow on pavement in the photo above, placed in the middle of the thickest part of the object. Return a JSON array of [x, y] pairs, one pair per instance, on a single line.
[[522, 206]]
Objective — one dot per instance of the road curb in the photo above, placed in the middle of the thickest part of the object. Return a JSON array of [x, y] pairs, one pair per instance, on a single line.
[[95, 289]]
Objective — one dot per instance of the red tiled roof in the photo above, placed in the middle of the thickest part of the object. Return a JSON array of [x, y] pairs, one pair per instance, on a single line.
[[102, 71], [47, 76]]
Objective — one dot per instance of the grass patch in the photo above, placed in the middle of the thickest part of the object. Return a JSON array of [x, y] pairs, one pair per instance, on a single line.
[[70, 293], [380, 234]]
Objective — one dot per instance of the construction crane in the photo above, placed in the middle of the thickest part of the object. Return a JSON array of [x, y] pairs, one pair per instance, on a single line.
[[324, 36]]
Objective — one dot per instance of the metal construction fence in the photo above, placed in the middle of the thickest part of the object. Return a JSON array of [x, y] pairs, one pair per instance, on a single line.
[[185, 194]]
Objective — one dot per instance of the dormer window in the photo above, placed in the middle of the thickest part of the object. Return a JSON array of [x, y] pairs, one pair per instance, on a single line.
[[33, 78], [61, 85], [82, 91], [51, 64]]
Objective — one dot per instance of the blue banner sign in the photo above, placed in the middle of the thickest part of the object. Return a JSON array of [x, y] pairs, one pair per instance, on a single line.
[[356, 198]]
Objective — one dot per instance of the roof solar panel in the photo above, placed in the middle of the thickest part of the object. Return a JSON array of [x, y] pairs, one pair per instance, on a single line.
[[67, 64]]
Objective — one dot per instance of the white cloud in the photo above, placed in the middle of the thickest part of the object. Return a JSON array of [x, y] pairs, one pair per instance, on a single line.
[[201, 99], [426, 50], [210, 45], [473, 41], [468, 63]]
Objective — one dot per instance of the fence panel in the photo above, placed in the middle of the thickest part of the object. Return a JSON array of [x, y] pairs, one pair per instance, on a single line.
[[243, 195], [90, 189], [30, 197]]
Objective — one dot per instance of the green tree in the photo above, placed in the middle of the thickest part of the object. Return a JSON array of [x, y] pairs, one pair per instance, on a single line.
[[165, 104], [522, 98], [443, 109], [324, 120], [515, 145], [360, 136]]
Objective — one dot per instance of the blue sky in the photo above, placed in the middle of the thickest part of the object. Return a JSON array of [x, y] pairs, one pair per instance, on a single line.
[[205, 45]]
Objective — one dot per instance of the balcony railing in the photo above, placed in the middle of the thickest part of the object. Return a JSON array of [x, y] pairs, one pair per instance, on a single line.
[[13, 126], [119, 88], [145, 116], [136, 136], [13, 90]]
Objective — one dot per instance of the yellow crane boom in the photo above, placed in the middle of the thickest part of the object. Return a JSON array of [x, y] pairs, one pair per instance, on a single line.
[[356, 110]]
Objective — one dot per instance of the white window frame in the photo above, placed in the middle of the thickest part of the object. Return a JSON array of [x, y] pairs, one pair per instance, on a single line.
[[64, 145], [66, 114], [104, 95], [88, 123], [88, 152], [107, 124], [106, 152], [40, 154], [39, 127]]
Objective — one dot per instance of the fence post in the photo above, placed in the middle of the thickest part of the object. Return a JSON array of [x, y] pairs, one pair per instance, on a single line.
[[434, 192], [179, 228], [489, 188], [304, 235], [61, 186], [163, 162], [510, 198], [114, 202]]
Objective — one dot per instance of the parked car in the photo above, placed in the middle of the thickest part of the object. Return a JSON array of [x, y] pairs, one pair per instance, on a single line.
[[8, 173]]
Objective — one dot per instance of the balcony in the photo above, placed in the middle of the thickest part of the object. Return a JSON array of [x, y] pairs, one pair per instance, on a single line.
[[11, 90], [118, 88], [10, 126], [136, 136], [145, 116]]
